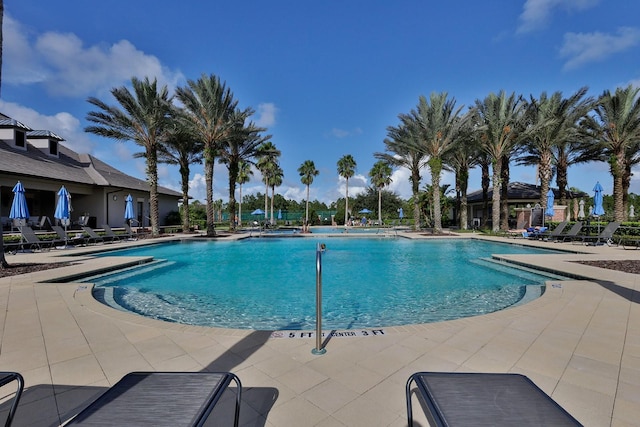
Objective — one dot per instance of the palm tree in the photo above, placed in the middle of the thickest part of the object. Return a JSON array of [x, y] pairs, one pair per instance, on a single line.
[[402, 151], [380, 175], [435, 123], [241, 145], [617, 126], [143, 119], [346, 169], [499, 119], [276, 176], [244, 176], [552, 121], [209, 105], [181, 149], [464, 156], [307, 171], [267, 163]]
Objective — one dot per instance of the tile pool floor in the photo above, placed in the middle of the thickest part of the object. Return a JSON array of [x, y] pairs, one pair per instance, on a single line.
[[580, 343]]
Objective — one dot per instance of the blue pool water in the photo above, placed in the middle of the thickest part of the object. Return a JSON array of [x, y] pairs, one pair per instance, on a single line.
[[269, 284]]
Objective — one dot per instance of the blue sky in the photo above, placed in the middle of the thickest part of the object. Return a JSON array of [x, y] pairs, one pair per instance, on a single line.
[[326, 78]]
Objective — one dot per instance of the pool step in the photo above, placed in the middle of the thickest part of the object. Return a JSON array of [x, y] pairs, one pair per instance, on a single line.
[[128, 272], [514, 269]]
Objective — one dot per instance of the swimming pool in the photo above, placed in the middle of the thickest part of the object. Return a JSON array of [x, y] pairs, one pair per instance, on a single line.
[[269, 284]]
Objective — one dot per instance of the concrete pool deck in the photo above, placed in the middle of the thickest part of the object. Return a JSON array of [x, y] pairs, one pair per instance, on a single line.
[[579, 342]]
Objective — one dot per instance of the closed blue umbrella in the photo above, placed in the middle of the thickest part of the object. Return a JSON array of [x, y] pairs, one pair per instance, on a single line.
[[550, 198], [19, 208], [598, 198], [63, 209], [129, 214], [279, 213], [401, 213]]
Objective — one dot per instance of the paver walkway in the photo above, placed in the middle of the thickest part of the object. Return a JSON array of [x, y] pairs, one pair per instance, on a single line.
[[579, 342]]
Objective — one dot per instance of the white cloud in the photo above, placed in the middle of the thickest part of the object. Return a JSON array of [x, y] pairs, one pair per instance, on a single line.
[[65, 67], [343, 133], [583, 48], [536, 13], [266, 114], [400, 183], [63, 124]]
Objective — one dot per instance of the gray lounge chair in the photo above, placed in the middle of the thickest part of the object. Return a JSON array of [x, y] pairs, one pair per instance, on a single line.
[[160, 399], [566, 237], [555, 232], [62, 235], [110, 234], [94, 237], [32, 241], [605, 236], [6, 378], [479, 399]]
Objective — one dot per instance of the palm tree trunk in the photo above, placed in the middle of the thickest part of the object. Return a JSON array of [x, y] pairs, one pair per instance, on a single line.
[[504, 196], [437, 210], [618, 173], [415, 190], [266, 203], [562, 181], [240, 205], [346, 202], [626, 183], [380, 208], [495, 205], [273, 195], [306, 215], [208, 177], [464, 184], [152, 173], [184, 173], [486, 181], [233, 178], [545, 176]]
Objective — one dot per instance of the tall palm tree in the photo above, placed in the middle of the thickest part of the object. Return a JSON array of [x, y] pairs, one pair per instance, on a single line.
[[499, 119], [380, 175], [244, 176], [346, 169], [241, 145], [307, 171], [402, 151], [143, 118], [267, 163], [552, 121], [209, 105], [181, 149], [464, 156], [436, 123], [616, 124], [276, 176]]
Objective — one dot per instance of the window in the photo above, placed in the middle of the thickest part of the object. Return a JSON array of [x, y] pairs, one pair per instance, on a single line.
[[53, 148], [20, 138]]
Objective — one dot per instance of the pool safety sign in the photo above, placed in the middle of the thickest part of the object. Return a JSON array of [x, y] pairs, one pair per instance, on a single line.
[[332, 334]]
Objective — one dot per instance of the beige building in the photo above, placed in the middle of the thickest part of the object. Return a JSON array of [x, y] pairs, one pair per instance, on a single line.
[[38, 160]]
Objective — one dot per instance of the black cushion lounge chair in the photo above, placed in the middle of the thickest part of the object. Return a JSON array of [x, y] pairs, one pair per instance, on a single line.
[[62, 235], [6, 378], [32, 241], [605, 236], [479, 399], [159, 399]]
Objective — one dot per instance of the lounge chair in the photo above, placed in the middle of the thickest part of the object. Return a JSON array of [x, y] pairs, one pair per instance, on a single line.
[[566, 237], [93, 237], [32, 241], [605, 235], [160, 399], [62, 235], [6, 378], [110, 234], [555, 232], [133, 235], [469, 399]]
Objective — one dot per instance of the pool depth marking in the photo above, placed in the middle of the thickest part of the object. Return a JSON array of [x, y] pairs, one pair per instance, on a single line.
[[332, 334]]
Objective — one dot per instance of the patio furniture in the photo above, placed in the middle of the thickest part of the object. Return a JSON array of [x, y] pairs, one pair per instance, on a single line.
[[605, 236], [7, 378], [159, 399], [32, 241], [483, 399], [573, 231], [110, 234], [93, 237], [62, 235], [555, 232]]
